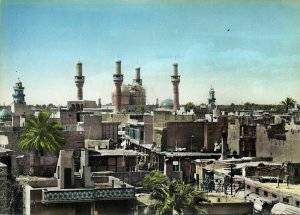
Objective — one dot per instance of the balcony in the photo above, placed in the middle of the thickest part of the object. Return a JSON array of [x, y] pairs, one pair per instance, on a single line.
[[118, 77], [78, 195], [175, 78], [113, 189]]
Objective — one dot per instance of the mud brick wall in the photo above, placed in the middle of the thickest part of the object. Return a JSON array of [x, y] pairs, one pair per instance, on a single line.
[[148, 129]]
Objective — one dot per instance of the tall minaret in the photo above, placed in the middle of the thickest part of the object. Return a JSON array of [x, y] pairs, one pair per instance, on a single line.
[[175, 78], [79, 80], [118, 80], [138, 76], [19, 96]]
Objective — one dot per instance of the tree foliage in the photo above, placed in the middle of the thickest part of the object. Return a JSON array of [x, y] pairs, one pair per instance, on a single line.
[[189, 106], [287, 103], [140, 109], [176, 196], [153, 180], [41, 133]]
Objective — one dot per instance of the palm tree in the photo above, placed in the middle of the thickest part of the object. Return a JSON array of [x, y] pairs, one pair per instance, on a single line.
[[154, 180], [288, 102], [174, 197], [41, 133]]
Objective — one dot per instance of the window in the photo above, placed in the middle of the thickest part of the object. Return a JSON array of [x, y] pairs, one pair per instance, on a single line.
[[286, 200], [297, 203], [274, 196], [265, 193], [248, 187], [175, 166], [257, 191]]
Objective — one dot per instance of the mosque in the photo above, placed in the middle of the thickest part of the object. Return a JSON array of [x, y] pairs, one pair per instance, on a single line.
[[126, 96]]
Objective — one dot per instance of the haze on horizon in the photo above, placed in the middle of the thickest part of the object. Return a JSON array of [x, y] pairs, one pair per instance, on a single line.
[[248, 51]]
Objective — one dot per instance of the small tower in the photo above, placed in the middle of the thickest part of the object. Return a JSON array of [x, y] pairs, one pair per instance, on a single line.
[[19, 96], [79, 81], [175, 78], [211, 99], [138, 79], [118, 80]]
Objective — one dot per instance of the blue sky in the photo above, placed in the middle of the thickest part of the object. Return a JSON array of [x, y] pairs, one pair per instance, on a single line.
[[258, 60]]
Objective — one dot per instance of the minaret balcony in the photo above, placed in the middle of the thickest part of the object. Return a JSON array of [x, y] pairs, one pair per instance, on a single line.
[[79, 78], [175, 77], [118, 77]]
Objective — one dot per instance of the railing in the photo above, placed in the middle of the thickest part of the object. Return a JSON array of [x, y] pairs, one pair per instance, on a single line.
[[76, 195]]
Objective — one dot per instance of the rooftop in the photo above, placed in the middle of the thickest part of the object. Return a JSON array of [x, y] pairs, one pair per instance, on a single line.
[[292, 189], [222, 198], [4, 150], [190, 154], [116, 152]]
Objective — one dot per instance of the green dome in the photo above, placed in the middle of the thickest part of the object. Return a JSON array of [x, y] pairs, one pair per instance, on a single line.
[[5, 114], [167, 103]]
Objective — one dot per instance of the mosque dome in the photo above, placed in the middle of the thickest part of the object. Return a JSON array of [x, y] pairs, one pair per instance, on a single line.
[[125, 90], [5, 115], [167, 103], [137, 88]]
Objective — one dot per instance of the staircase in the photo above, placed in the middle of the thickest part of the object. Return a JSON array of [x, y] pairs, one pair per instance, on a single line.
[[78, 183]]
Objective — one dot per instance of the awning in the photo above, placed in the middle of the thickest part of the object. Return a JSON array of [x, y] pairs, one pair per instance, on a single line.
[[281, 208]]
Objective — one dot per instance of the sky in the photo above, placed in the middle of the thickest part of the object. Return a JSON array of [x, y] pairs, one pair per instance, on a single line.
[[248, 51]]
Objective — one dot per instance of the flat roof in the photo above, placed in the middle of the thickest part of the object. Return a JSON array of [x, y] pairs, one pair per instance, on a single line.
[[292, 189], [189, 154], [4, 150], [222, 198], [256, 163], [117, 152]]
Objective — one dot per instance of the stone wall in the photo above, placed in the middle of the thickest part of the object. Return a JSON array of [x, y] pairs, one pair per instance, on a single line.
[[280, 150], [239, 208], [132, 178], [3, 190], [233, 137], [213, 133], [193, 136], [184, 134], [110, 131], [13, 137], [92, 127], [148, 129], [109, 117], [68, 117], [74, 139]]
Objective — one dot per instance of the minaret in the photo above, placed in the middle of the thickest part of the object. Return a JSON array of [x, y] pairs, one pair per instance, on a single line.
[[138, 76], [211, 98], [118, 80], [175, 78], [79, 80], [19, 96]]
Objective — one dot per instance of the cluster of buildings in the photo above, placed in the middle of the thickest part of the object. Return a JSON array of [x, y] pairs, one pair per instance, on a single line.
[[246, 161]]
